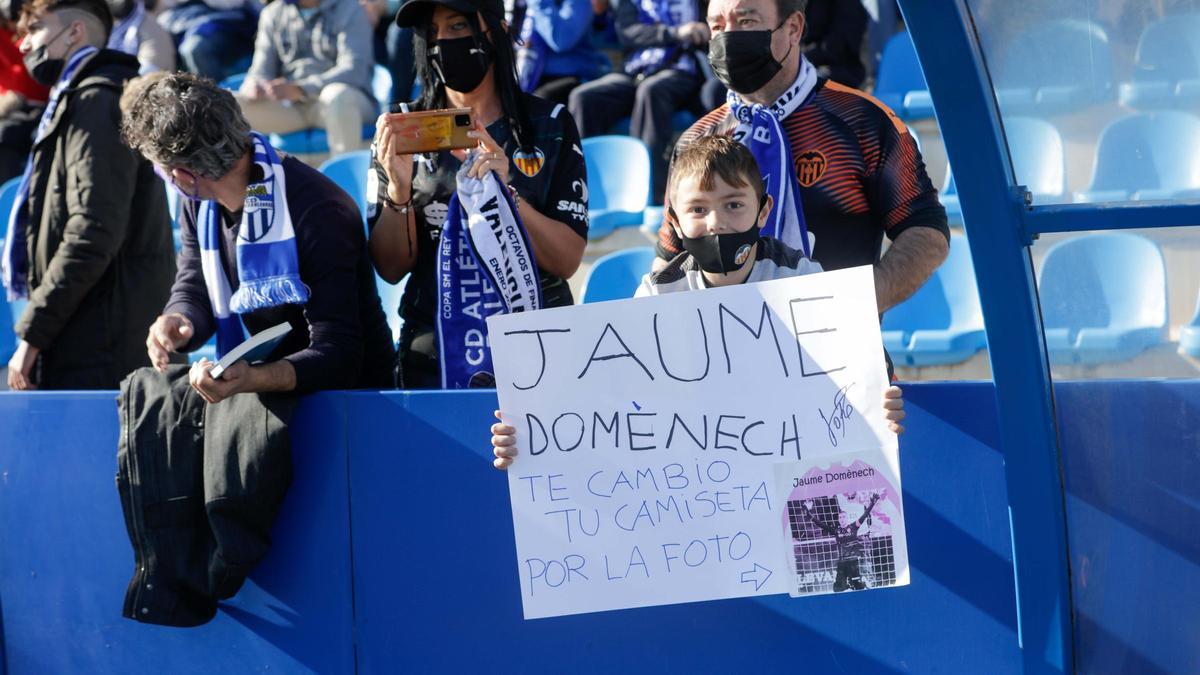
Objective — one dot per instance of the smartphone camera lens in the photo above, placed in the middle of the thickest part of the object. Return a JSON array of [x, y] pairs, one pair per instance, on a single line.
[[462, 120]]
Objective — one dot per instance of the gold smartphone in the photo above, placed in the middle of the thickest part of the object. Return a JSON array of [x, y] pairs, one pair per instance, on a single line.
[[437, 130]]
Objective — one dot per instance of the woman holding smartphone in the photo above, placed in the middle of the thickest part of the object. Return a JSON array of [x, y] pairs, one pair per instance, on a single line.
[[464, 59]]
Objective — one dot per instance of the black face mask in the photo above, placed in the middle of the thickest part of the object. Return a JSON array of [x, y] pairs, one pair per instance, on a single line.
[[722, 253], [742, 59], [43, 69], [462, 63]]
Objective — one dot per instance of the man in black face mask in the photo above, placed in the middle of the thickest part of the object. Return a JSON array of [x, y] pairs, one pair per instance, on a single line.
[[841, 169], [89, 239]]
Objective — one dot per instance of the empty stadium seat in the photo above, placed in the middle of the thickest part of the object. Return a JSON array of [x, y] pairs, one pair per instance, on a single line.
[[1189, 335], [900, 84], [349, 171], [1103, 297], [1147, 156], [942, 323], [1039, 161], [618, 169], [1055, 67], [617, 275], [1167, 65]]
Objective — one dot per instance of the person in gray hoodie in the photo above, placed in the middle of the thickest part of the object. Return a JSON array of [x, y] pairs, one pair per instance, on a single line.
[[312, 67]]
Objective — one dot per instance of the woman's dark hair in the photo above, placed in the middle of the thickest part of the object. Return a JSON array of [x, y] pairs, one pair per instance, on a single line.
[[504, 64]]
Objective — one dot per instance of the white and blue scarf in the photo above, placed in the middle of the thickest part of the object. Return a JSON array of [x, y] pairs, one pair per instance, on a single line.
[[268, 265], [673, 13], [760, 128], [15, 265], [124, 35], [485, 266]]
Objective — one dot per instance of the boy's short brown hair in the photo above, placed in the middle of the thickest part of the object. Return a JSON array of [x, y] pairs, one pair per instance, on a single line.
[[710, 156]]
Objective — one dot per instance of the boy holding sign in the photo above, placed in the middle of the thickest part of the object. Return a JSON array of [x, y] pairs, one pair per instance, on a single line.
[[723, 205]]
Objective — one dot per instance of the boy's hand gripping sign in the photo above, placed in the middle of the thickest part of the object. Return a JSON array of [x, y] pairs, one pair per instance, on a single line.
[[701, 445]]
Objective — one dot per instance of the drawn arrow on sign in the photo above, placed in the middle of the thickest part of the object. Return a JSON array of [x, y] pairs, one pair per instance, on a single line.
[[753, 575]]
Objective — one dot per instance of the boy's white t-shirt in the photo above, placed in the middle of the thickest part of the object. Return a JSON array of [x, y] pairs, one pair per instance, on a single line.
[[773, 260]]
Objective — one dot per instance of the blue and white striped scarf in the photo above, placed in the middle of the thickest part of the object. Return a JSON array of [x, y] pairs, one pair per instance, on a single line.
[[485, 266], [673, 13], [760, 128], [268, 265], [14, 268]]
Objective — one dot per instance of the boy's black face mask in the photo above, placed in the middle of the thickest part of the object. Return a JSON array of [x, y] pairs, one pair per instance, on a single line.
[[722, 253]]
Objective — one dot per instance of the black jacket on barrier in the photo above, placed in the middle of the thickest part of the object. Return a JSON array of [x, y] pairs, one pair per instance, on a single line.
[[200, 486]]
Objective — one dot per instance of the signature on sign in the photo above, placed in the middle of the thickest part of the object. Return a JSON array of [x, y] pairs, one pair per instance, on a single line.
[[835, 422]]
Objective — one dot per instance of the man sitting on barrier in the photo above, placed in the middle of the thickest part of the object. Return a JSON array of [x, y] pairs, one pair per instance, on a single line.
[[721, 205], [204, 461]]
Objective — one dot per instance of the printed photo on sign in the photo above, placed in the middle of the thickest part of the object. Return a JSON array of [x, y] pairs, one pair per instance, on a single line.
[[843, 525]]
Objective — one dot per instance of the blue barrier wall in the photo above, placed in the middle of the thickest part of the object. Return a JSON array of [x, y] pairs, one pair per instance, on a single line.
[[395, 552]]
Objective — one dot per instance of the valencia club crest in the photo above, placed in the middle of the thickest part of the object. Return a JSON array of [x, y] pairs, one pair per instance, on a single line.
[[529, 163]]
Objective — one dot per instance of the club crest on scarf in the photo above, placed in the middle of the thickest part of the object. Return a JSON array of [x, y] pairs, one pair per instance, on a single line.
[[810, 166], [259, 209], [529, 163]]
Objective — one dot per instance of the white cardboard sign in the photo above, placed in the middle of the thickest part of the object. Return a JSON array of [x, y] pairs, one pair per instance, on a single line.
[[649, 431]]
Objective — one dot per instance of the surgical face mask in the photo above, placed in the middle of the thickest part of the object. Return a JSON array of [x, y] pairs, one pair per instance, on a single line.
[[462, 63], [742, 59], [43, 69], [169, 178]]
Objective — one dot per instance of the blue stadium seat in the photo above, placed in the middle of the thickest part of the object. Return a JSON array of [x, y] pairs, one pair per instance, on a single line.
[[8, 313], [233, 82], [349, 171], [1055, 67], [1147, 156], [618, 169], [1167, 65], [900, 83], [1039, 161], [942, 322], [617, 275], [1103, 297], [1189, 335]]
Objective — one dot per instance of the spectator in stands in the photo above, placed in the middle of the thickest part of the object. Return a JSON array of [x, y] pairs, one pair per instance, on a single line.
[[21, 98], [465, 60], [189, 128], [556, 52], [215, 37], [661, 75], [136, 33], [833, 39], [266, 240], [312, 68], [89, 237], [722, 205], [839, 165]]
